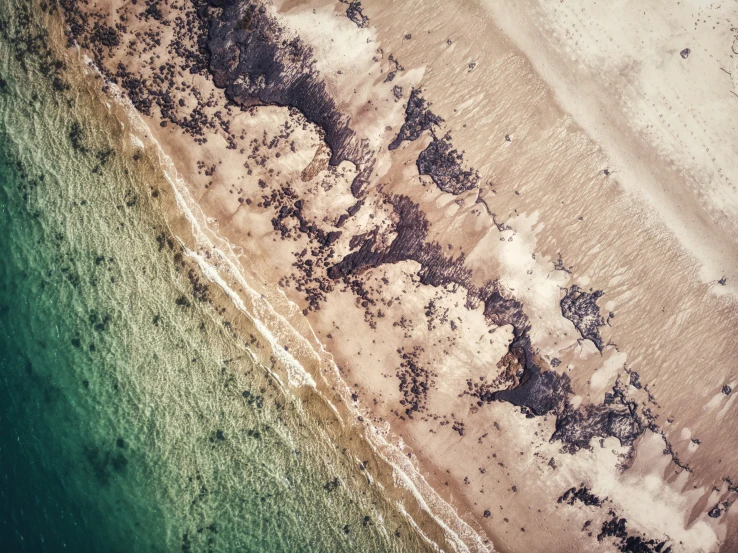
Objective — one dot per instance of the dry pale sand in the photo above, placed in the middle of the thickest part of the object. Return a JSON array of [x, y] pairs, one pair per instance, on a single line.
[[577, 89]]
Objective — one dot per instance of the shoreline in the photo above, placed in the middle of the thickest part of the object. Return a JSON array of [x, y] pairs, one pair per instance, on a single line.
[[328, 200], [404, 475]]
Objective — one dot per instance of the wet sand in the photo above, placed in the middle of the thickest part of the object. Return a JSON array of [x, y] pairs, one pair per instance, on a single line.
[[446, 299]]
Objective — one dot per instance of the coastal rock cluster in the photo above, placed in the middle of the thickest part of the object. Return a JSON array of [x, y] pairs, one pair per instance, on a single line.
[[418, 119], [581, 308], [255, 61], [443, 163], [355, 13], [439, 160]]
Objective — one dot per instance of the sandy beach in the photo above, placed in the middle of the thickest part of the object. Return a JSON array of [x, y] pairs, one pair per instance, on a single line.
[[511, 228]]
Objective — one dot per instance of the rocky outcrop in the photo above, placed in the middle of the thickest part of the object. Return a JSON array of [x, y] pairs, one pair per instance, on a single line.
[[409, 244], [583, 495], [258, 63], [576, 428], [355, 13], [443, 163], [581, 308], [418, 119]]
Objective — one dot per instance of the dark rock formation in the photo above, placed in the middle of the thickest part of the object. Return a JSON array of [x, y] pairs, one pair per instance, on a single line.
[[418, 119], [501, 311], [626, 543], [354, 13], [635, 380], [536, 390], [442, 163], [409, 244], [258, 64], [439, 160], [581, 308], [581, 494], [717, 510], [106, 35], [576, 428], [539, 391]]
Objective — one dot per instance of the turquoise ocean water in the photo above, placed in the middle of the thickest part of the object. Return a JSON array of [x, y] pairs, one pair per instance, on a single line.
[[130, 419]]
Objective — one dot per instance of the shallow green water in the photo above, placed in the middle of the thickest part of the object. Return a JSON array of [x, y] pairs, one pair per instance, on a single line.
[[129, 421]]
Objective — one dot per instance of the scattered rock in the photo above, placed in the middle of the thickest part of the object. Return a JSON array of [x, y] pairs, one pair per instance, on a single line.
[[581, 494]]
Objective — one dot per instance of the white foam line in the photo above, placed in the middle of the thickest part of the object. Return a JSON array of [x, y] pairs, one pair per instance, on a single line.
[[417, 528], [406, 474], [296, 374], [458, 538]]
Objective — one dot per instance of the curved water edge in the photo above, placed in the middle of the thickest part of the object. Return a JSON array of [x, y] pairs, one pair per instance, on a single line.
[[311, 376], [219, 263]]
